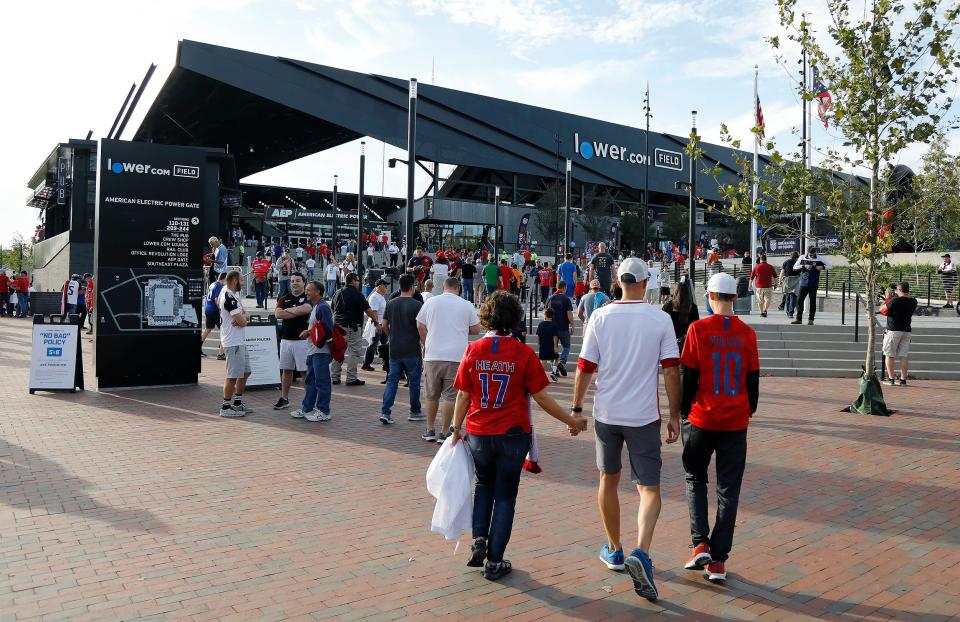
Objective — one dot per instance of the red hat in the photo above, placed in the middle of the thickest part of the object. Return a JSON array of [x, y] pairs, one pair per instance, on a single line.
[[439, 254]]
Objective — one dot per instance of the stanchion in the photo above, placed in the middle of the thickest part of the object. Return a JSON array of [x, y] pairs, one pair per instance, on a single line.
[[843, 304], [928, 288], [856, 321]]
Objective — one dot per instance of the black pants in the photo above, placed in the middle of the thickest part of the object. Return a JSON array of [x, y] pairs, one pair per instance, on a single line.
[[82, 312], [804, 292], [498, 459], [379, 339], [731, 449]]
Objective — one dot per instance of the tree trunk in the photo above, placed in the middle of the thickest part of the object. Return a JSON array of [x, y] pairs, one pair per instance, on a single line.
[[868, 310]]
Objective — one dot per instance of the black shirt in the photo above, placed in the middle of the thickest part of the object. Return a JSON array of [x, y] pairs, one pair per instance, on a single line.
[[401, 314], [348, 307], [416, 296], [415, 262], [291, 328], [603, 262], [560, 303], [546, 331], [787, 267], [900, 313], [468, 270]]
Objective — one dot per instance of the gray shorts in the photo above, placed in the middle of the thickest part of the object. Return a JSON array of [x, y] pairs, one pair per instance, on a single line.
[[238, 363], [643, 448]]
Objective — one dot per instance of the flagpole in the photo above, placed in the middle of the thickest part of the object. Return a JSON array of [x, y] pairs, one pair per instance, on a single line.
[[756, 171], [808, 156]]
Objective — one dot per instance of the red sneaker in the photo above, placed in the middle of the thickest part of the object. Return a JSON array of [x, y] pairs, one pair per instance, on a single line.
[[716, 572], [532, 467], [699, 558]]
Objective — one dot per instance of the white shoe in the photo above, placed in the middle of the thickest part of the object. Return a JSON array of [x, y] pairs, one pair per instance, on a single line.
[[230, 412], [297, 414], [316, 415], [242, 408]]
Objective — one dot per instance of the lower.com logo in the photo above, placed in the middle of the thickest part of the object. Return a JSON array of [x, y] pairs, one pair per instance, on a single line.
[[130, 167], [591, 149]]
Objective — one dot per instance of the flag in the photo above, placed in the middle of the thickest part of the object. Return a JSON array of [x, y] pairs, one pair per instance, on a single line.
[[824, 99], [760, 123]]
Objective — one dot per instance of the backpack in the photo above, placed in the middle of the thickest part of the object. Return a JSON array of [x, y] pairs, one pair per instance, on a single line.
[[599, 300], [336, 339]]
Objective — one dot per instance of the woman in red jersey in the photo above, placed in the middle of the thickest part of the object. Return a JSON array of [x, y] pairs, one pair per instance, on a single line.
[[496, 379]]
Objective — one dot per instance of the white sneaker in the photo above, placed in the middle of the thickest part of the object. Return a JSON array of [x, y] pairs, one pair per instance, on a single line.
[[242, 408], [298, 414], [230, 412], [316, 415]]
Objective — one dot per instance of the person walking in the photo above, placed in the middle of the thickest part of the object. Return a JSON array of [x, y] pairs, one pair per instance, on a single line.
[[720, 388], [349, 307], [624, 345], [394, 251], [896, 340], [601, 267], [233, 320], [22, 288], [467, 273], [378, 303], [562, 308], [810, 268], [790, 283], [261, 272], [590, 302], [211, 313], [406, 354], [219, 258], [495, 381], [445, 323], [548, 342], [317, 390], [545, 281], [293, 310], [682, 309], [439, 271], [285, 270], [948, 276], [568, 272], [332, 274], [762, 277], [491, 276]]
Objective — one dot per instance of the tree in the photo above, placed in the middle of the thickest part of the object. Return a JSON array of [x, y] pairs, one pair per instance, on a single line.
[[548, 216], [676, 222], [931, 220], [19, 256], [631, 228], [890, 73]]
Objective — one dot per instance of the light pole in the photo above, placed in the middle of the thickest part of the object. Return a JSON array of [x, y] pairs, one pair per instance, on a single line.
[[496, 221], [333, 219], [566, 210], [646, 175], [363, 161], [411, 161], [691, 227]]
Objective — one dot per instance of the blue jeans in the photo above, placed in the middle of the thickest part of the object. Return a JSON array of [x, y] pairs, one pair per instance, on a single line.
[[791, 300], [310, 273], [22, 300], [331, 287], [467, 289], [564, 337], [498, 459], [317, 385], [414, 367], [261, 291], [283, 287]]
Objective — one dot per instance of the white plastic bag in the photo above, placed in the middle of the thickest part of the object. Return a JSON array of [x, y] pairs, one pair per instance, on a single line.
[[450, 481], [369, 332]]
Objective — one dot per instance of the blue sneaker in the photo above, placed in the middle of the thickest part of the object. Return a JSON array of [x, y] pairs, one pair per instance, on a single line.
[[640, 568], [612, 559]]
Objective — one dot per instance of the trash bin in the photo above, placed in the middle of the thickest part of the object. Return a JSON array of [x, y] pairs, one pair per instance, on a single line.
[[743, 303]]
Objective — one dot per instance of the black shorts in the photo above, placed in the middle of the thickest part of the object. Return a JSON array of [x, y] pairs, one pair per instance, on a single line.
[[212, 320], [664, 291]]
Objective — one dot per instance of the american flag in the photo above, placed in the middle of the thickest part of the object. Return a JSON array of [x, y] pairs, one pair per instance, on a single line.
[[760, 123], [824, 99]]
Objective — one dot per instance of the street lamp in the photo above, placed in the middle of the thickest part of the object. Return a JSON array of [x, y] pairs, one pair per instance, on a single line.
[[411, 158]]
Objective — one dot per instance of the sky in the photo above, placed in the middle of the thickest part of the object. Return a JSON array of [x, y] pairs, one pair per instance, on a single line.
[[68, 65]]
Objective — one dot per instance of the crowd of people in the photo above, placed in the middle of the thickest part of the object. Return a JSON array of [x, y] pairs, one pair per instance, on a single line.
[[15, 294]]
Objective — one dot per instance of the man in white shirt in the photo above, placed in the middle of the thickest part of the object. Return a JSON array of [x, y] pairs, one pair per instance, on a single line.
[[948, 275], [653, 273], [233, 319], [378, 304], [625, 343], [445, 322], [311, 264]]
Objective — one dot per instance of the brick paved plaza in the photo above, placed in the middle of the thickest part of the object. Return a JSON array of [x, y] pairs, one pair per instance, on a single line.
[[144, 504]]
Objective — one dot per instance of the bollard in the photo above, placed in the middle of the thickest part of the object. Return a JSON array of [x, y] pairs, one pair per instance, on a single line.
[[843, 304], [826, 293], [856, 321], [929, 274]]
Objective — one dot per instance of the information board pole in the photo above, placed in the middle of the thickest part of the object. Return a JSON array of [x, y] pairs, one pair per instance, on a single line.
[[360, 213]]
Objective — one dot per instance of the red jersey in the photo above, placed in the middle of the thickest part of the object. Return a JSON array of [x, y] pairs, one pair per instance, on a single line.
[[723, 349], [89, 297], [546, 277], [260, 268], [505, 275], [323, 250], [4, 283], [384, 239], [500, 374], [764, 274], [22, 284]]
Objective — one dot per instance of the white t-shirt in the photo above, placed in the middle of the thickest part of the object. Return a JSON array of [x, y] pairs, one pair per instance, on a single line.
[[299, 252], [332, 271], [73, 290], [448, 319], [311, 263], [393, 249], [378, 303], [230, 305], [949, 268], [347, 268], [440, 270], [627, 341], [426, 296], [654, 274]]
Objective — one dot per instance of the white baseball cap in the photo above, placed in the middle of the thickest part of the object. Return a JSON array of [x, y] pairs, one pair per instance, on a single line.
[[722, 283], [633, 269]]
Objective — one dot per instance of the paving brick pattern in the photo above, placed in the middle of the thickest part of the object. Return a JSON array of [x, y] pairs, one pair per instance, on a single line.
[[145, 505]]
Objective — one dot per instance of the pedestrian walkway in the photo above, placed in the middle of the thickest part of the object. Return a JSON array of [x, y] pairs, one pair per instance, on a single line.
[[146, 505]]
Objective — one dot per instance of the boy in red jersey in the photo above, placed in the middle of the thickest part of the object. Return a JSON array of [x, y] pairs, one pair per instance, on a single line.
[[720, 387]]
